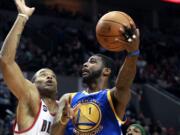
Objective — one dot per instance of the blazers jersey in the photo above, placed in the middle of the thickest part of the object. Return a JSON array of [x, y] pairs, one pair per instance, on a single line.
[[95, 115], [41, 125]]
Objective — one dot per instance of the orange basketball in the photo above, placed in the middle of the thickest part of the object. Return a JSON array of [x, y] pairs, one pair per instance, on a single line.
[[108, 30]]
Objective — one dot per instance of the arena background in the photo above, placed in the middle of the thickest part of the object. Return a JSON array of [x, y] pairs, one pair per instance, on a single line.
[[61, 35]]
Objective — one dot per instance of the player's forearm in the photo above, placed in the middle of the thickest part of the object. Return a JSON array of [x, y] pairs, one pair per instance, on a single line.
[[126, 74], [8, 50]]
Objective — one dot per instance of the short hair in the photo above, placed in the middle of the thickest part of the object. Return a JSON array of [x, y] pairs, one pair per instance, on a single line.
[[34, 76], [143, 132], [109, 63]]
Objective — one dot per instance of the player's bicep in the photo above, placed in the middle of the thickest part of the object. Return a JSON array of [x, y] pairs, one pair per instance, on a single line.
[[15, 80], [121, 97]]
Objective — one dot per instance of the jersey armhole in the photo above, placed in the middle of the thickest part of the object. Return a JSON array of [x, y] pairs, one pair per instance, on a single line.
[[113, 109], [34, 122]]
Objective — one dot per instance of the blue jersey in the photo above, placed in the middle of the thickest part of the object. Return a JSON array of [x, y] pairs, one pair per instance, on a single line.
[[95, 115]]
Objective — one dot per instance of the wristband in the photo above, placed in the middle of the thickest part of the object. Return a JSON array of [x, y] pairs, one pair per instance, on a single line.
[[133, 53], [23, 15]]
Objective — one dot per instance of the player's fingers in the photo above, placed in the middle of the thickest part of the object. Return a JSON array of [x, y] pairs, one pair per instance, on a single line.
[[71, 114], [137, 32], [73, 111], [76, 108], [125, 25], [17, 2], [18, 5], [66, 109], [32, 9], [130, 40], [133, 26], [133, 30], [121, 29], [23, 1]]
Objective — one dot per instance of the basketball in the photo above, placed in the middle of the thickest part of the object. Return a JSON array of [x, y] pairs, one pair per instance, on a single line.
[[108, 31]]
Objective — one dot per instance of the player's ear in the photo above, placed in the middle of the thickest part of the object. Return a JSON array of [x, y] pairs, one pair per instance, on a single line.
[[106, 71]]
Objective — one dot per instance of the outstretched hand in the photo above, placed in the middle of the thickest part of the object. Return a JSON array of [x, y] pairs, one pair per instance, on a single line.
[[68, 112], [23, 8], [132, 36]]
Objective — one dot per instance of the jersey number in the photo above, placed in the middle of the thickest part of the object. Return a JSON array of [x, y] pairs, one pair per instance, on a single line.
[[46, 126], [89, 110]]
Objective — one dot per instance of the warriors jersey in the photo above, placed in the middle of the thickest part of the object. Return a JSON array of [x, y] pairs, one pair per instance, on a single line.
[[41, 125], [95, 115]]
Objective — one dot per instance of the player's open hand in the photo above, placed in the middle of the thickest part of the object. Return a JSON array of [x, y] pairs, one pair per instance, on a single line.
[[23, 9], [68, 112], [132, 36]]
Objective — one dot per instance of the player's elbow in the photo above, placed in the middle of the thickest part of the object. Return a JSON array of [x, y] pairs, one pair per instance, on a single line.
[[4, 60]]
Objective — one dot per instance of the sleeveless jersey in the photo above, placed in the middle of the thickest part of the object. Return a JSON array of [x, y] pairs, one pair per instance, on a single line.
[[41, 125], [95, 115]]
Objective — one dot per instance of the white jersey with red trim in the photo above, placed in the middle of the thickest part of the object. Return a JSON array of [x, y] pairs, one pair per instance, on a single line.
[[41, 125]]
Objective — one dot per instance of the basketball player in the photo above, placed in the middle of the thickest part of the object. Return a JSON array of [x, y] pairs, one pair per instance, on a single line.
[[100, 110], [135, 129], [36, 100]]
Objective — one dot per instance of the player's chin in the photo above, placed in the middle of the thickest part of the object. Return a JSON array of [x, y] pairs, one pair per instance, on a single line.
[[50, 88], [129, 134], [85, 78], [85, 75]]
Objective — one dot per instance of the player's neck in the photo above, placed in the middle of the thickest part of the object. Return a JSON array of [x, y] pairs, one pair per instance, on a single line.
[[100, 84], [51, 104], [103, 83], [47, 95], [48, 100], [92, 88]]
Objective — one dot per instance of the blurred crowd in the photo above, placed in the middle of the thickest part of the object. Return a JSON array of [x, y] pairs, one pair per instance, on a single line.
[[135, 114], [65, 45]]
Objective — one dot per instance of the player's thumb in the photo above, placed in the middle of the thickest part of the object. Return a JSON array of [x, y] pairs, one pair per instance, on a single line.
[[137, 32], [32, 9]]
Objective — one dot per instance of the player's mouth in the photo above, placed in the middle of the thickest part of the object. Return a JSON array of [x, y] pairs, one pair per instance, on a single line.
[[85, 71], [49, 82]]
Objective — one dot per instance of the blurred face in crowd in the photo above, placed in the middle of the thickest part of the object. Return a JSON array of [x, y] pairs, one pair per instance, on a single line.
[[45, 81], [92, 69], [132, 130]]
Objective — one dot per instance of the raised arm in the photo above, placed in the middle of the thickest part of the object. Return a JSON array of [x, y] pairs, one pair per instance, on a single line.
[[12, 74], [121, 92]]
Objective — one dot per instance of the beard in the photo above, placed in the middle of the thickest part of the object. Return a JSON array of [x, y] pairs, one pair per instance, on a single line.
[[92, 77]]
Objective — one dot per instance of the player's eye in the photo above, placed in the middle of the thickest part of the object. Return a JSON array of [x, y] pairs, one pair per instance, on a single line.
[[137, 131], [92, 61], [43, 74]]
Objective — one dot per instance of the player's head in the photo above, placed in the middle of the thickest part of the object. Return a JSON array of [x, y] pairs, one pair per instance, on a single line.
[[46, 82], [135, 129], [98, 66]]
